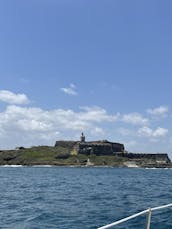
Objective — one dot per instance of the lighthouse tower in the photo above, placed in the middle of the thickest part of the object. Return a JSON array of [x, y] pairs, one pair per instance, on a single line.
[[82, 137]]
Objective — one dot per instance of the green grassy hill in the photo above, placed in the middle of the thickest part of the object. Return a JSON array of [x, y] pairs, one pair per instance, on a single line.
[[64, 156], [46, 155]]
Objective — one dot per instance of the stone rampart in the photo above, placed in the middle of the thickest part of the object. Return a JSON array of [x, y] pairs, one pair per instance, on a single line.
[[159, 157], [93, 147], [66, 144], [111, 148], [99, 148]]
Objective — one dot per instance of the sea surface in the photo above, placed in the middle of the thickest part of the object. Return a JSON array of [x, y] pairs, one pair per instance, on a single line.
[[82, 198]]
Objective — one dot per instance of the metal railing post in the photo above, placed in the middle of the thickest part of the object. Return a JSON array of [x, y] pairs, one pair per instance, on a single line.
[[149, 219]]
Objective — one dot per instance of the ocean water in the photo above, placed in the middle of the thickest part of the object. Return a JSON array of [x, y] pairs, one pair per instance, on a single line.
[[82, 198]]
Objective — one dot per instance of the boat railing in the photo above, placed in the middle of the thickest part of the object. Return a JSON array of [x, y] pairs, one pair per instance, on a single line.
[[147, 211]]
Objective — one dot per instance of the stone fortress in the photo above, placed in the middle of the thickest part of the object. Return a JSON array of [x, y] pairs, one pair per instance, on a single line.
[[104, 147], [83, 153]]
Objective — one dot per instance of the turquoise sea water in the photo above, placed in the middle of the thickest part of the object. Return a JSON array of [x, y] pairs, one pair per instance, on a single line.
[[60, 197]]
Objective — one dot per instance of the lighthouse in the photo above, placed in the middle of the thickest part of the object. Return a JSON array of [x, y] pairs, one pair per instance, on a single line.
[[82, 137]]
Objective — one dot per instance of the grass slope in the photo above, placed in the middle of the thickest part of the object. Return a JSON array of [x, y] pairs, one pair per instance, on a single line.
[[42, 155]]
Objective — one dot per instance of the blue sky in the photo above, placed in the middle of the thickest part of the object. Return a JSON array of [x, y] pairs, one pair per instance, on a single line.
[[102, 67]]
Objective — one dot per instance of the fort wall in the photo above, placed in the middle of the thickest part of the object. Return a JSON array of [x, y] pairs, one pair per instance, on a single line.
[[105, 147], [158, 157], [99, 148]]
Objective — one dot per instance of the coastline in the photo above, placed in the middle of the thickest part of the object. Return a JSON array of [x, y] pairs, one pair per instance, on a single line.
[[47, 156], [80, 166]]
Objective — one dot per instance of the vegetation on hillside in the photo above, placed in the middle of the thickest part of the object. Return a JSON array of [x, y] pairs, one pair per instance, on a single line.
[[54, 156], [65, 156]]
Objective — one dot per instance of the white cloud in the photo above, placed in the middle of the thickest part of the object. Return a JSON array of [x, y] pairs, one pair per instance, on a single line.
[[159, 111], [135, 119], [148, 132], [97, 131], [160, 132], [145, 131], [28, 125], [71, 90], [12, 98], [96, 114]]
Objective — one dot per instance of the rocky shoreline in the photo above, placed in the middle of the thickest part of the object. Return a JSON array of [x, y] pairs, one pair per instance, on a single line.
[[63, 156]]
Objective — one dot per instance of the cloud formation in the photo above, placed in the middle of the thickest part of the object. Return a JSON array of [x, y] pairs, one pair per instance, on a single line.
[[135, 119], [156, 133], [96, 114], [12, 98], [71, 90], [27, 126], [30, 125], [159, 111]]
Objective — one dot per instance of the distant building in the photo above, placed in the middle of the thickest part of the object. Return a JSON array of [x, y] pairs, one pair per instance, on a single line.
[[102, 147], [82, 137]]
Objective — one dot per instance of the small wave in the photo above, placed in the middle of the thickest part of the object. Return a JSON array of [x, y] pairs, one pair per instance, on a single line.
[[40, 166], [14, 166], [157, 168]]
